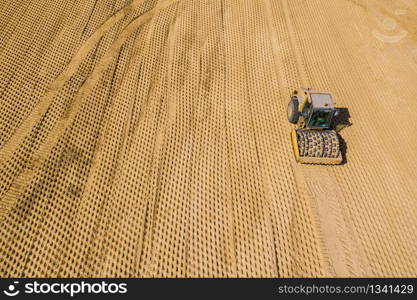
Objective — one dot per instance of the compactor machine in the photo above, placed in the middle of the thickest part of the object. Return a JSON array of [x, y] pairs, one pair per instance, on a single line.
[[314, 139]]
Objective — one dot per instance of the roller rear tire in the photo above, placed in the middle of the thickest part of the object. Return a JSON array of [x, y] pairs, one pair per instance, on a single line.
[[292, 111]]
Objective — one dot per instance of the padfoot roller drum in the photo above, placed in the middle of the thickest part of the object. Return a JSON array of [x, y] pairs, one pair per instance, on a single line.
[[316, 147]]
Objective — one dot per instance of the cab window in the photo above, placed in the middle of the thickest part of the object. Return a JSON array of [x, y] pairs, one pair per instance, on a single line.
[[321, 118]]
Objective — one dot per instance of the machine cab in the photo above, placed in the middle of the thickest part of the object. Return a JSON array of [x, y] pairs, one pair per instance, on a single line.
[[318, 111]]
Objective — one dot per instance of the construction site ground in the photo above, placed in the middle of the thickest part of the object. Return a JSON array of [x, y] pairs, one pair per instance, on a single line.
[[149, 138]]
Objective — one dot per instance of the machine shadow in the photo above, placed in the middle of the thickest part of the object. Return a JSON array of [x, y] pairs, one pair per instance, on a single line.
[[343, 149], [342, 120]]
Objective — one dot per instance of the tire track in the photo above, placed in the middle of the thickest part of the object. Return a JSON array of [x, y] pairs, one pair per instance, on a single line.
[[7, 151], [304, 80], [322, 190], [27, 125], [38, 159]]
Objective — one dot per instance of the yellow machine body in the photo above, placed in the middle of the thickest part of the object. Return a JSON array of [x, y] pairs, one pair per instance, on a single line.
[[315, 145]]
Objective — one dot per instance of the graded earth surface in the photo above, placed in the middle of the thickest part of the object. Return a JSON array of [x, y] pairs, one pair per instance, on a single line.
[[149, 138]]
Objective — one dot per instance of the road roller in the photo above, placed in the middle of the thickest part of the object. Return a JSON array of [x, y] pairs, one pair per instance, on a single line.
[[313, 138]]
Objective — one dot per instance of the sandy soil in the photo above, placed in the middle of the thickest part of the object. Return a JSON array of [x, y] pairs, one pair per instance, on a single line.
[[149, 138]]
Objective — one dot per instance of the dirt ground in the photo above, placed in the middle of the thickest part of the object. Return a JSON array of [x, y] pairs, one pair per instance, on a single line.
[[149, 138]]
